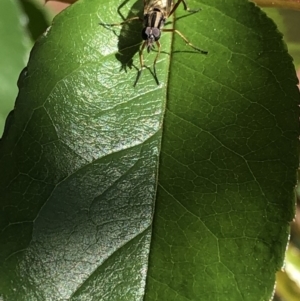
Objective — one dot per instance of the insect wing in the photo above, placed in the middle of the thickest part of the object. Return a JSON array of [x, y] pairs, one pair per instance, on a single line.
[[168, 6]]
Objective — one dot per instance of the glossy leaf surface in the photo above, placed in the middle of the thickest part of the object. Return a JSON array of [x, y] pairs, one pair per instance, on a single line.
[[177, 191]]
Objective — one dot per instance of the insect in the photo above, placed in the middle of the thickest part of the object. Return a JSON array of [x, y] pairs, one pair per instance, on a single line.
[[156, 12]]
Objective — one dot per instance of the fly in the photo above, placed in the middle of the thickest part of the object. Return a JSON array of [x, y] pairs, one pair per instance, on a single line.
[[156, 12]]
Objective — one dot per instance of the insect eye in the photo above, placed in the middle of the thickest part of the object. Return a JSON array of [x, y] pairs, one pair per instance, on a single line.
[[156, 33], [149, 32]]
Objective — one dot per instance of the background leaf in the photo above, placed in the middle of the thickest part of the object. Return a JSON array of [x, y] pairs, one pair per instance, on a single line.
[[80, 160], [288, 22], [39, 17], [14, 53], [285, 4]]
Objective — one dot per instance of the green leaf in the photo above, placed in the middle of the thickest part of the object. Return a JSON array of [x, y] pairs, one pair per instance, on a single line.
[[14, 52], [177, 191]]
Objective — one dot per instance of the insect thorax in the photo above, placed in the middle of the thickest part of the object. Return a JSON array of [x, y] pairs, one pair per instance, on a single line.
[[163, 5], [154, 19], [156, 12]]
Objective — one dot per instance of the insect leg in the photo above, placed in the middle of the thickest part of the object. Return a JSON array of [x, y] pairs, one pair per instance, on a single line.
[[185, 39], [184, 5], [154, 64], [141, 62]]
